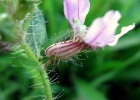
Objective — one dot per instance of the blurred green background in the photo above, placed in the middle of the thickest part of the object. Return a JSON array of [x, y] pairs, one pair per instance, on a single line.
[[109, 74]]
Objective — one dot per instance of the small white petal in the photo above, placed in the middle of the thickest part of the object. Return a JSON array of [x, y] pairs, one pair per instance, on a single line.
[[124, 30]]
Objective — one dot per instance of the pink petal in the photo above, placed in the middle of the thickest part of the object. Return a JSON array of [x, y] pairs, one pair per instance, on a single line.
[[76, 9], [102, 29], [124, 30]]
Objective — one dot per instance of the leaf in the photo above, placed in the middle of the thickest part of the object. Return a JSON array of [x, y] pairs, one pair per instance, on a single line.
[[111, 74], [7, 28], [132, 12], [20, 59], [131, 74], [4, 60], [86, 92], [23, 62], [36, 33]]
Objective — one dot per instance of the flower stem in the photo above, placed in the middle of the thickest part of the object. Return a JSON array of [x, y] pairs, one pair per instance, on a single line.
[[40, 68], [48, 62]]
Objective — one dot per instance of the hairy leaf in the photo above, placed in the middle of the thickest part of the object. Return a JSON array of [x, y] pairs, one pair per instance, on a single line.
[[36, 33]]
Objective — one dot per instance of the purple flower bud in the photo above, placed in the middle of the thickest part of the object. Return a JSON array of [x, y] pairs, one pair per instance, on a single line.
[[64, 50]]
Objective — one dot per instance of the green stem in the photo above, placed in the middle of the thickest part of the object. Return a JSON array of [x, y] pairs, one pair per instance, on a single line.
[[46, 83], [28, 51], [41, 69]]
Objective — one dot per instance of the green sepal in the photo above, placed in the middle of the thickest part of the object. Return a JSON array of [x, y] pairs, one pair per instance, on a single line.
[[23, 7]]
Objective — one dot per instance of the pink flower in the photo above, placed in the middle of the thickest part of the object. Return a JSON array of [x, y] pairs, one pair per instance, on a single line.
[[99, 34], [102, 30]]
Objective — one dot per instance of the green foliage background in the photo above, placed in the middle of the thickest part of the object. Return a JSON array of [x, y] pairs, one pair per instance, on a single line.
[[112, 73]]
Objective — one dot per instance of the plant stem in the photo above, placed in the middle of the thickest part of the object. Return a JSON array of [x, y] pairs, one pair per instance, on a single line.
[[48, 62], [28, 51], [41, 69], [46, 83]]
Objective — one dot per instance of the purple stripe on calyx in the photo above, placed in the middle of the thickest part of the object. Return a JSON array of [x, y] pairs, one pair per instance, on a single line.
[[64, 50]]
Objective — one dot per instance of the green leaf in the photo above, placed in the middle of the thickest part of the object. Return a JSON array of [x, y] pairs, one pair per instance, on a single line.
[[23, 62], [4, 60], [36, 33], [20, 59], [86, 92], [132, 12], [130, 74], [111, 74], [7, 28]]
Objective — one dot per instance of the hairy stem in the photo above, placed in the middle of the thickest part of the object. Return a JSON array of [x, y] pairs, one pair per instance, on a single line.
[[46, 83], [41, 69], [48, 62]]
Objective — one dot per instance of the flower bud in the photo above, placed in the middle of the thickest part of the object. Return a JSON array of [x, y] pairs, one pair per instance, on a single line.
[[64, 50]]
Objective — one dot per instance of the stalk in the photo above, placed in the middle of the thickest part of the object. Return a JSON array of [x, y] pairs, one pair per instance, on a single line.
[[41, 69]]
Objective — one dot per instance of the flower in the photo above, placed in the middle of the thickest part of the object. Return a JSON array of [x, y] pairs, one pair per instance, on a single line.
[[99, 34], [102, 30]]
